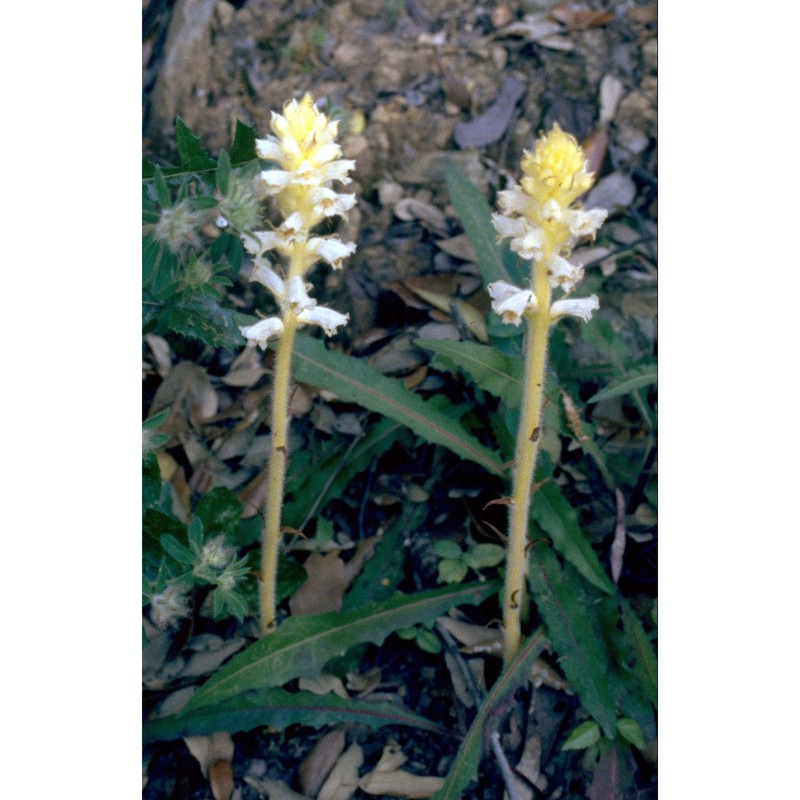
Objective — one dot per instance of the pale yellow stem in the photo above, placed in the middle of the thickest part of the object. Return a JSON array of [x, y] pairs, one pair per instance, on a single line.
[[271, 540], [527, 448]]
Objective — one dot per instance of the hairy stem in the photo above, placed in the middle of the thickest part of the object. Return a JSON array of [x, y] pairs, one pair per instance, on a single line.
[[527, 448], [270, 543]]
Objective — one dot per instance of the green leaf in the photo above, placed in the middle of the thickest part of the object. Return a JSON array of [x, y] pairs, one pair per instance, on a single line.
[[162, 190], [204, 319], [223, 171], [179, 552], [280, 709], [156, 421], [301, 646], [452, 570], [497, 263], [636, 379], [464, 769], [195, 532], [585, 735], [445, 548], [629, 729], [637, 648], [191, 153], [559, 520], [334, 470], [495, 372], [243, 149], [354, 381], [575, 631], [219, 510], [382, 574], [484, 555], [428, 641], [151, 481]]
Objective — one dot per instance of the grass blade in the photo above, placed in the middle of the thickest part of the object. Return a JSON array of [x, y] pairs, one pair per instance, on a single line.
[[303, 645], [636, 379], [279, 709]]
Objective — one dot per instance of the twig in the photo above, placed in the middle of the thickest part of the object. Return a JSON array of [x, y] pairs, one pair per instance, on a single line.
[[505, 767], [463, 668]]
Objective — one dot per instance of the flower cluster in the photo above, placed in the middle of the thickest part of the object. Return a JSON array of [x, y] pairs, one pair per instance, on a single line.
[[542, 221], [308, 160]]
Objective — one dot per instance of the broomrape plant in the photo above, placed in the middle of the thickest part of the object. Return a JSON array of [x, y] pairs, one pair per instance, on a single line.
[[309, 160], [543, 221]]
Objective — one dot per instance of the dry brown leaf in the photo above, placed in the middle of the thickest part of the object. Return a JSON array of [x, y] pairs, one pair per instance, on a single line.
[[577, 15], [323, 588], [342, 783], [364, 682], [457, 679], [618, 545], [490, 126], [162, 355], [542, 674], [409, 209], [389, 781], [475, 638], [214, 754], [324, 684], [458, 247], [190, 396], [530, 762], [319, 762]]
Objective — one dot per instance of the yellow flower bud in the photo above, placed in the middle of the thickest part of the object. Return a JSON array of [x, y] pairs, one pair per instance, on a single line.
[[556, 170]]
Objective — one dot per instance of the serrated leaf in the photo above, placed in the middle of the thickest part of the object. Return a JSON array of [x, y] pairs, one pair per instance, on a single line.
[[559, 520], [204, 319], [495, 372], [575, 632], [192, 154], [464, 769], [280, 709], [636, 379], [497, 263], [301, 646], [637, 647], [629, 729], [243, 149], [354, 381], [585, 735]]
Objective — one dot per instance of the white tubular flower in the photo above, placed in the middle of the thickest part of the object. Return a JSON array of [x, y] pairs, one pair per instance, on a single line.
[[585, 223], [526, 239], [326, 318], [330, 203], [260, 333], [266, 276], [581, 307], [297, 299], [331, 250], [511, 302], [562, 273]]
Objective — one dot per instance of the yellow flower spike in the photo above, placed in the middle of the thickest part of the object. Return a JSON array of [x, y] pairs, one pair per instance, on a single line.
[[542, 222], [556, 170], [308, 160]]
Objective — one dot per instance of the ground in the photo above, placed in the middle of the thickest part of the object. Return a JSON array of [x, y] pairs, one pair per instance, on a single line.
[[412, 82]]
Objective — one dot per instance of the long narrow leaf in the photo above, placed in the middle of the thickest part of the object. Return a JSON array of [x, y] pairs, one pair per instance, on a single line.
[[303, 645], [279, 709], [497, 263], [559, 520], [495, 372], [465, 766], [355, 381], [636, 379], [575, 632]]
